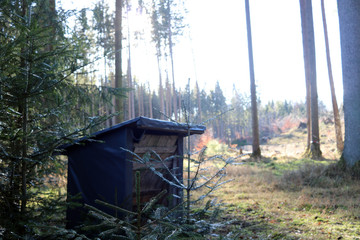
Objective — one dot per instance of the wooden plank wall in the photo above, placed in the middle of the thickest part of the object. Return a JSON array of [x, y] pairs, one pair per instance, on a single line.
[[163, 145]]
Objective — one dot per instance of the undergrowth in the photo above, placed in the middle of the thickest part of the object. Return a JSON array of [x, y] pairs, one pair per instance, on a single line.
[[293, 199]]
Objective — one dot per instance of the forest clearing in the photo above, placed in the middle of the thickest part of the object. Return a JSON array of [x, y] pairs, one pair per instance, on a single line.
[[99, 106], [283, 195], [287, 196]]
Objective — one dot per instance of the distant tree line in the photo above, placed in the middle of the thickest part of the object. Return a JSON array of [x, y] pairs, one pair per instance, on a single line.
[[229, 119]]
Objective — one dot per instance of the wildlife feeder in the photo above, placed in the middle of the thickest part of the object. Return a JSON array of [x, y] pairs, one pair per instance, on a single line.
[[100, 168]]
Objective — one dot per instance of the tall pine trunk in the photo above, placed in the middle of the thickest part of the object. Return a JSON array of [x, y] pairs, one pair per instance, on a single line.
[[349, 21], [131, 100], [113, 101], [338, 132], [307, 73], [198, 101], [310, 73], [142, 100], [118, 60], [168, 98], [150, 102], [131, 95], [172, 64], [254, 113], [180, 106], [129, 85], [175, 101], [161, 91]]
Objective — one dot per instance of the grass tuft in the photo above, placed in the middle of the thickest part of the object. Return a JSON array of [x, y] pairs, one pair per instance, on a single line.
[[284, 196]]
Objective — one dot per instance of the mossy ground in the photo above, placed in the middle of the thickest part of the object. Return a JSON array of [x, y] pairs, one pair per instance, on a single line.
[[268, 208], [284, 196]]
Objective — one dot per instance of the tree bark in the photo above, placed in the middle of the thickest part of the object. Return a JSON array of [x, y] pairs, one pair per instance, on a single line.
[[307, 71], [150, 102], [349, 21], [142, 100], [198, 101], [175, 101], [118, 60], [338, 132], [172, 61], [254, 113], [168, 98], [172, 68], [131, 94], [139, 99], [131, 100], [180, 106], [113, 101], [310, 73], [161, 91]]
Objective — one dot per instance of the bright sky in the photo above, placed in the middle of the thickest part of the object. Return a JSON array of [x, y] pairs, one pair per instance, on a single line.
[[215, 49]]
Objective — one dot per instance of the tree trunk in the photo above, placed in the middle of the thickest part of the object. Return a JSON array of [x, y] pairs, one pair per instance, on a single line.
[[172, 65], [175, 101], [118, 60], [198, 101], [180, 106], [310, 73], [106, 84], [142, 100], [161, 91], [131, 101], [307, 73], [338, 132], [131, 94], [150, 102], [113, 101], [139, 99], [349, 21], [168, 98], [129, 85], [254, 113]]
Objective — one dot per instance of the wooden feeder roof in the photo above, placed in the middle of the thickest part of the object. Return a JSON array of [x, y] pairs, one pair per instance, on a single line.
[[149, 124]]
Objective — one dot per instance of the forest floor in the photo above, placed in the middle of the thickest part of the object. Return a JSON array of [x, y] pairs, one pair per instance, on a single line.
[[286, 196]]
